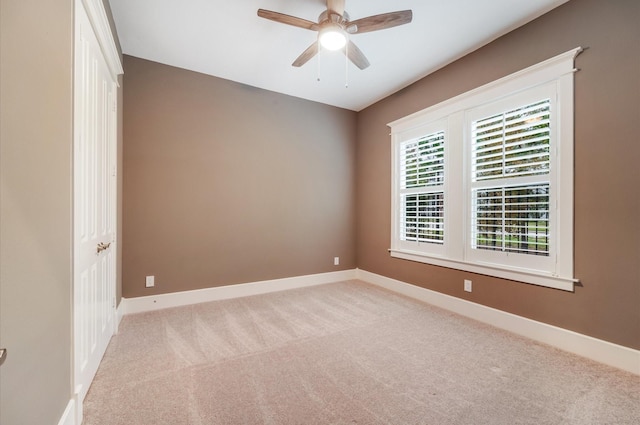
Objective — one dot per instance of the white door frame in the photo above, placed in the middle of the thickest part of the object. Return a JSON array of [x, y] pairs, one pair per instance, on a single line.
[[92, 13]]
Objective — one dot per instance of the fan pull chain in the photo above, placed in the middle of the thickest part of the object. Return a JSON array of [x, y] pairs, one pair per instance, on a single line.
[[346, 66], [319, 54]]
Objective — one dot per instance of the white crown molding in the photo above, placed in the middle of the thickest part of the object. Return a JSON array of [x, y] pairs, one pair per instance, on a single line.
[[100, 23], [177, 299], [585, 346]]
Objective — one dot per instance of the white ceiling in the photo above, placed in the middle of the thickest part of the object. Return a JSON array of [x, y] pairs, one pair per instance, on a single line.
[[226, 39]]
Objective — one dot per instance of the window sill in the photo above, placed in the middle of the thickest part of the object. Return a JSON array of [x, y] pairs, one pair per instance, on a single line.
[[519, 275]]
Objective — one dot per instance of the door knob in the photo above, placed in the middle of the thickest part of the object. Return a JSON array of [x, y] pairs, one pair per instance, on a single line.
[[3, 355], [102, 246]]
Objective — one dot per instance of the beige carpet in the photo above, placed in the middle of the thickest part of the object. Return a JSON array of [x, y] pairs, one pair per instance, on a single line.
[[344, 353]]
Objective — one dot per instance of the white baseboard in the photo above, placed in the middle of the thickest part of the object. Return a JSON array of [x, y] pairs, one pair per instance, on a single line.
[[592, 348], [119, 315], [595, 349], [69, 415], [176, 299]]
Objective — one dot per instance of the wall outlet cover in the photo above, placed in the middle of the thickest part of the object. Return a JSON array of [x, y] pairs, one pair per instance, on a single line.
[[467, 285]]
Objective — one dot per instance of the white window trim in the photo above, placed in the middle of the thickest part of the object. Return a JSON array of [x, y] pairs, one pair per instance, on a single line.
[[558, 70]]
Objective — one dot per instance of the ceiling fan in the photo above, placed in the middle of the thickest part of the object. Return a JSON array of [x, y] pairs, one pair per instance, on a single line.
[[334, 28]]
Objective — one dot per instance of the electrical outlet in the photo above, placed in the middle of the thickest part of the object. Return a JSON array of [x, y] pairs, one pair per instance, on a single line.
[[467, 285], [149, 282], [336, 261]]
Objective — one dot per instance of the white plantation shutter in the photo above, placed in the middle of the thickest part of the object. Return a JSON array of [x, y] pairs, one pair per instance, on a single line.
[[513, 143], [512, 219], [422, 161], [510, 180], [423, 218], [422, 189]]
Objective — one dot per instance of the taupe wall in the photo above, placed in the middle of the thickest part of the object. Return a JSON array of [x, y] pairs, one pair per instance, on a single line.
[[36, 64], [606, 304], [225, 183]]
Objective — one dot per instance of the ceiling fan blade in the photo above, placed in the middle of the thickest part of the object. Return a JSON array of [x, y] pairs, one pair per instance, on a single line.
[[380, 22], [336, 6], [306, 55], [287, 19], [356, 56]]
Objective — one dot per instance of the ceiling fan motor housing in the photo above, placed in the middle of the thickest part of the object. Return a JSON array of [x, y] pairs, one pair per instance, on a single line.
[[331, 16]]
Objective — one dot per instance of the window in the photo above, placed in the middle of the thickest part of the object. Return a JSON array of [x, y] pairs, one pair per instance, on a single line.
[[483, 182], [421, 170]]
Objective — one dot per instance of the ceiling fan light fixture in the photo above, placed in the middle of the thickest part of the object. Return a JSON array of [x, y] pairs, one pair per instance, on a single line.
[[332, 37]]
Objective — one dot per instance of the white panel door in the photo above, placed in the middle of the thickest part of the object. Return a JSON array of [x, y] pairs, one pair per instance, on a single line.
[[94, 205]]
